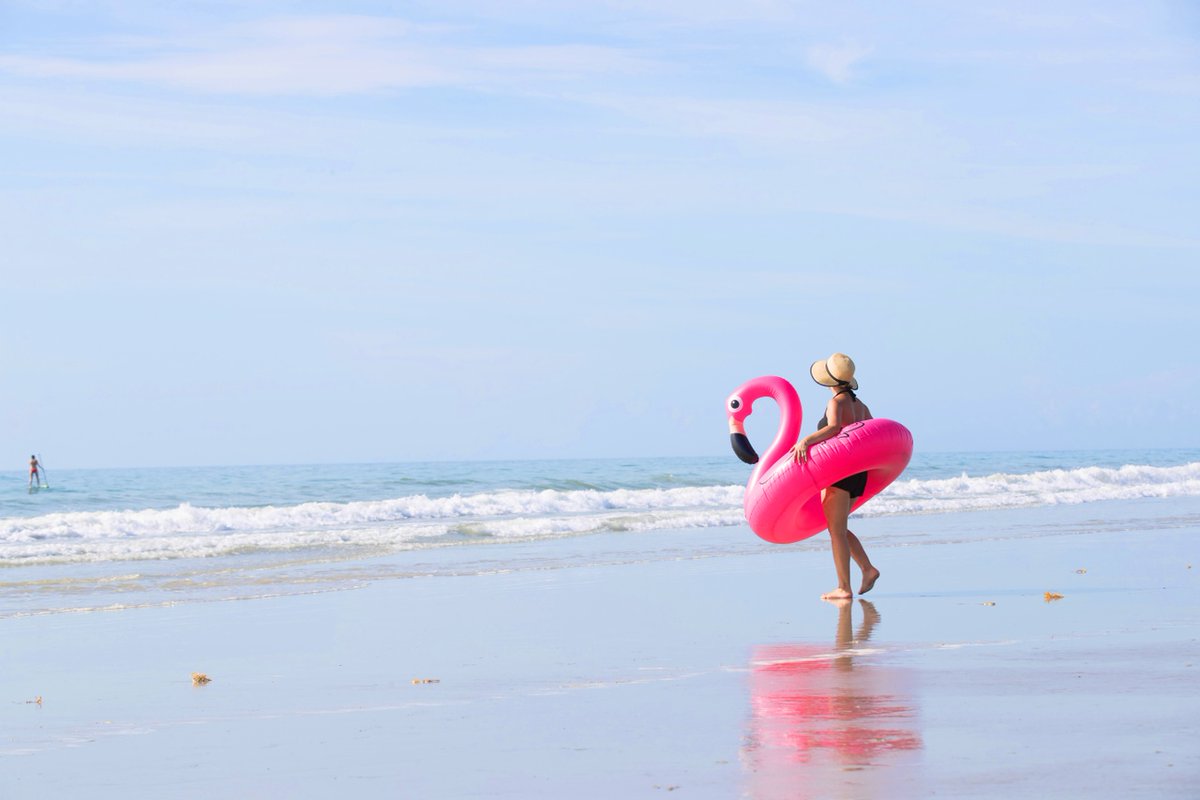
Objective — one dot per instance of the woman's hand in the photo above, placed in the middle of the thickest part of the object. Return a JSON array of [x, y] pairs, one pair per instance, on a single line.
[[800, 451]]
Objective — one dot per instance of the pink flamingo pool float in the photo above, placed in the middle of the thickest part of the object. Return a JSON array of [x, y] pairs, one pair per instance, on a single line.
[[783, 498]]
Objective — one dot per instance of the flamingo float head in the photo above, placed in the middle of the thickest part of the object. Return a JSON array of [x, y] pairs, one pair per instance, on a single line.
[[738, 409], [739, 406]]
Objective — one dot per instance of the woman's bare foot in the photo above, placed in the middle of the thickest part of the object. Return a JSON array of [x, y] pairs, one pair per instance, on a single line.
[[869, 579], [837, 594]]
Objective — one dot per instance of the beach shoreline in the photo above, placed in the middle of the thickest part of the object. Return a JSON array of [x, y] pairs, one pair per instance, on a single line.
[[627, 679]]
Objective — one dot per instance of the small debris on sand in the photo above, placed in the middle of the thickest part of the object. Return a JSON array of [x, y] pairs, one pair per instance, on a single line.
[[989, 602], [199, 679], [426, 680], [37, 701], [1081, 571], [1052, 596]]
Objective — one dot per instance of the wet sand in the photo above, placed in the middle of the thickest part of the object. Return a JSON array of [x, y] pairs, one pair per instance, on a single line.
[[714, 677]]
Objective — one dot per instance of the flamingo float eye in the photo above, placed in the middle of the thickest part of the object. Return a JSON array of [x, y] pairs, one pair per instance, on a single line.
[[735, 403]]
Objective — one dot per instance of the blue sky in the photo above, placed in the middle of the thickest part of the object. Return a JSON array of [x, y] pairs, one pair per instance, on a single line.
[[264, 232]]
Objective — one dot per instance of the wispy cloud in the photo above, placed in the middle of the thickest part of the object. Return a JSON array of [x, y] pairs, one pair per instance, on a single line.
[[756, 122], [324, 56], [907, 157], [673, 13], [837, 62]]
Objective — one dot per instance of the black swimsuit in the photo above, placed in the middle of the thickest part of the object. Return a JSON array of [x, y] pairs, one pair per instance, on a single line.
[[856, 484]]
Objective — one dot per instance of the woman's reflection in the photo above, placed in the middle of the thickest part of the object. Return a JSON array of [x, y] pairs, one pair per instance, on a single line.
[[830, 723]]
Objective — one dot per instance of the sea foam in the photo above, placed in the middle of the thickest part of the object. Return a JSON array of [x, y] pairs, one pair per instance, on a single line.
[[412, 521]]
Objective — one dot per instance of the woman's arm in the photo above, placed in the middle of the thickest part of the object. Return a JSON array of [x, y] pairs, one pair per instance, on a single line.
[[839, 413]]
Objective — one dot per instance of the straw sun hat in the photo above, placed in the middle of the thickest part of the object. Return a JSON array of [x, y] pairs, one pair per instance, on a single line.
[[836, 370]]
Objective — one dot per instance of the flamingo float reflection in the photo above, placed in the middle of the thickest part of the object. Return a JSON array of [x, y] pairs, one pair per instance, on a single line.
[[830, 723]]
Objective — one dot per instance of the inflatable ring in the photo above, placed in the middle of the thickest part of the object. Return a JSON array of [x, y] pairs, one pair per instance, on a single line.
[[783, 498]]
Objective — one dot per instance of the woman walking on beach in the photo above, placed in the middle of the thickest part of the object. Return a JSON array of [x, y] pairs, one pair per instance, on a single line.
[[844, 408]]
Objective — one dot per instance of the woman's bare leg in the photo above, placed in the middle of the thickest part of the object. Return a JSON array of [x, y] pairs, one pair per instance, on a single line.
[[836, 503], [859, 553]]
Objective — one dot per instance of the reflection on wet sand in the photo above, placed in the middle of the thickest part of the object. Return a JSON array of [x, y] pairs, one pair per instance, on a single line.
[[831, 722]]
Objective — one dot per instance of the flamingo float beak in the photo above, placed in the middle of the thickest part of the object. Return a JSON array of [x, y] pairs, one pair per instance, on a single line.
[[742, 448], [741, 444]]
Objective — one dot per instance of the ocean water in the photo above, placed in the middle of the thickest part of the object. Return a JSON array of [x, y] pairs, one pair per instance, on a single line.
[[127, 537]]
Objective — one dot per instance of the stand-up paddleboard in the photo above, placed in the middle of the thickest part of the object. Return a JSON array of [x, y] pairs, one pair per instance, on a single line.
[[42, 472]]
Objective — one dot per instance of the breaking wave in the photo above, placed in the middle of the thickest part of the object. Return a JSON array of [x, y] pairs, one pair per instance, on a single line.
[[413, 521]]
